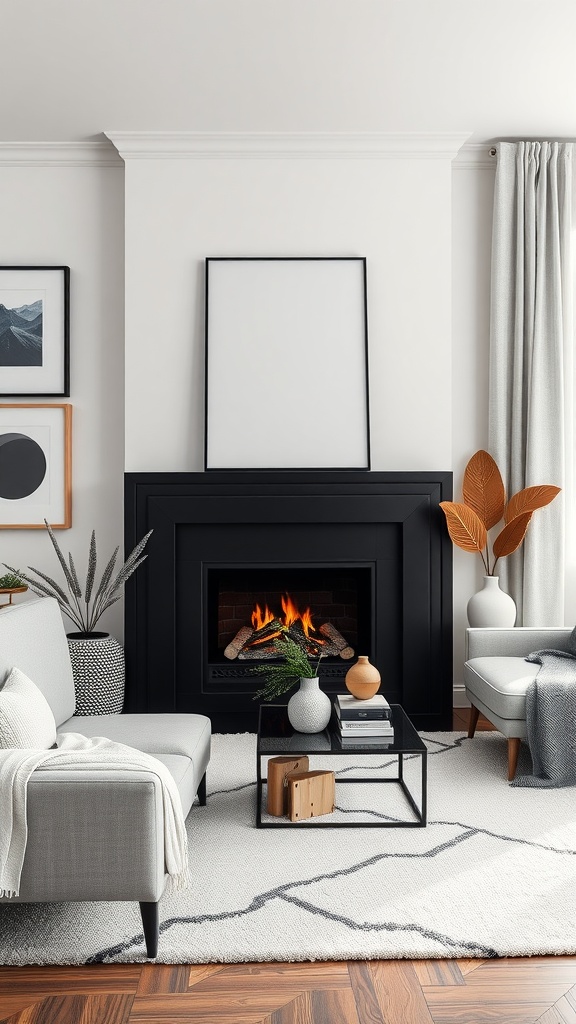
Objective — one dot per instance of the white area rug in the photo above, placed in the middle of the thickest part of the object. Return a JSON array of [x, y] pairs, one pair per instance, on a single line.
[[493, 874]]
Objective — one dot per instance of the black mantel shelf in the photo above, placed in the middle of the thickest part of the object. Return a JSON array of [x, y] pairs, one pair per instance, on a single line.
[[389, 522]]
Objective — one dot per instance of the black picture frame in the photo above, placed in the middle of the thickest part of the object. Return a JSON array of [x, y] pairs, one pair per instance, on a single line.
[[271, 324], [34, 331]]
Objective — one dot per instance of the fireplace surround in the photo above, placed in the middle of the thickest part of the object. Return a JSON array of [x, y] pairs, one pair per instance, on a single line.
[[367, 552]]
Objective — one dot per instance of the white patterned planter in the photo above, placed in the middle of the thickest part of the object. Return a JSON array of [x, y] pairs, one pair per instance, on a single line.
[[309, 709], [98, 670]]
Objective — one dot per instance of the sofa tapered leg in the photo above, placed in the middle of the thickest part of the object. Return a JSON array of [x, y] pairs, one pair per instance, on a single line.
[[472, 721], [513, 749], [202, 791], [151, 926]]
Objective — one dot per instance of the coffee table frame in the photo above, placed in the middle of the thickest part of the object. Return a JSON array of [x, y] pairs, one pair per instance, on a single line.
[[275, 733]]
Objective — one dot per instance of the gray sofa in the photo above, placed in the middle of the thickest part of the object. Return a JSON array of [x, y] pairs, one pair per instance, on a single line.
[[496, 677], [97, 835]]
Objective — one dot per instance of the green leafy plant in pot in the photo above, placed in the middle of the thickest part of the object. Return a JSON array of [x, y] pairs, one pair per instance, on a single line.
[[97, 658], [309, 709], [11, 583]]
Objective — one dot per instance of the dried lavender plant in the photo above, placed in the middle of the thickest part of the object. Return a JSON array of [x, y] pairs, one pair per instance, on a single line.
[[85, 609]]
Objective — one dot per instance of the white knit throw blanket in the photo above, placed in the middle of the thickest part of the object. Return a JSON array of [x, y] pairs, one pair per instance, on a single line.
[[74, 752]]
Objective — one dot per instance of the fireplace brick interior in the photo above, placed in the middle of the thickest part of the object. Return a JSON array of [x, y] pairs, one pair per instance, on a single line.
[[314, 597], [339, 607]]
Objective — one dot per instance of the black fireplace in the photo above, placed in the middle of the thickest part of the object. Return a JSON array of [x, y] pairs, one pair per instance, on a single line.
[[350, 562]]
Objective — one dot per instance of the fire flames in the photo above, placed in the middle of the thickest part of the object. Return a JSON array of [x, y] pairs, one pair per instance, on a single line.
[[257, 641], [291, 614]]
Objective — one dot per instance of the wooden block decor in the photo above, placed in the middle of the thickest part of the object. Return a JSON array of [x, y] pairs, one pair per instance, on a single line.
[[310, 794], [277, 789]]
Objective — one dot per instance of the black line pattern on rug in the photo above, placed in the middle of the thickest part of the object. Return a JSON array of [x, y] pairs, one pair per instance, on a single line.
[[234, 789], [387, 926], [260, 900]]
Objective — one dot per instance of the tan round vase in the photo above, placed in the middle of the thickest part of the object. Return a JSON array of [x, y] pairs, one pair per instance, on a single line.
[[363, 680]]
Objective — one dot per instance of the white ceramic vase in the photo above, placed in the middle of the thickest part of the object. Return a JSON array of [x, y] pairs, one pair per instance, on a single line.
[[309, 709], [491, 606]]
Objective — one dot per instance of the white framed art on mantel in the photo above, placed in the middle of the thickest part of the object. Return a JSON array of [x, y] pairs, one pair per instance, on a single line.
[[286, 363]]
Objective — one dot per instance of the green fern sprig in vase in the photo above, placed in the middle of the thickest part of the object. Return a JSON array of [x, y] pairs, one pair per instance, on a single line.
[[281, 676]]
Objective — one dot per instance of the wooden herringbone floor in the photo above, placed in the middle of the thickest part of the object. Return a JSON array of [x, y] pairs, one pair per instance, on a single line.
[[518, 991], [508, 991]]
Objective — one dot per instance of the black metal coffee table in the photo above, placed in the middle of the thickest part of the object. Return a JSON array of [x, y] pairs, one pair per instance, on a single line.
[[276, 737]]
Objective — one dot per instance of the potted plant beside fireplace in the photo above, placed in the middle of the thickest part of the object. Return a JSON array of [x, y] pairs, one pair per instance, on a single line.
[[97, 658]]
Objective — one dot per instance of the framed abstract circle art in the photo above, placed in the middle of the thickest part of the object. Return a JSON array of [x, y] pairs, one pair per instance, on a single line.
[[35, 466]]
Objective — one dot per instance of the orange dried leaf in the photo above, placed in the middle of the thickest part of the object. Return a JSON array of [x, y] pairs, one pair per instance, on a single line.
[[466, 529], [483, 489], [512, 535], [529, 500]]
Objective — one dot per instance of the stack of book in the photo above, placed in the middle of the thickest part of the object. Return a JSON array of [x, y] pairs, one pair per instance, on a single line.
[[363, 721]]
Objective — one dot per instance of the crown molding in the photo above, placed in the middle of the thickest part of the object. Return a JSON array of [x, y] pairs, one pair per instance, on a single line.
[[474, 156], [287, 145], [61, 154]]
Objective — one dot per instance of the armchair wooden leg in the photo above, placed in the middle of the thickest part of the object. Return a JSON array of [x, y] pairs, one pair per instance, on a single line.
[[472, 721], [202, 791], [513, 749], [151, 927]]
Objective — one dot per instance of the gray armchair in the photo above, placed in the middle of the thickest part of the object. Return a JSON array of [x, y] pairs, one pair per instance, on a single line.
[[496, 677], [97, 835]]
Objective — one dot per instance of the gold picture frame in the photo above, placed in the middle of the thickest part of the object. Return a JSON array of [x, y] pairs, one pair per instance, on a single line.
[[35, 465]]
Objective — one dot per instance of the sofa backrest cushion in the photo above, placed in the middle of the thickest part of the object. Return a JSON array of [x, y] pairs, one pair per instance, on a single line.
[[33, 639], [26, 718]]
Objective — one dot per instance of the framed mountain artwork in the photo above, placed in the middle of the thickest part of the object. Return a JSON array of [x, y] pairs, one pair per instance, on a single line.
[[34, 332]]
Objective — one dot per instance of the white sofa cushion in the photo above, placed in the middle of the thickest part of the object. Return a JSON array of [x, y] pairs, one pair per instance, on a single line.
[[26, 718], [500, 683], [32, 636], [178, 740]]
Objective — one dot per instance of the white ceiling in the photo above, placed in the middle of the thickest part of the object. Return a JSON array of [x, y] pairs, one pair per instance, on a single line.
[[71, 69]]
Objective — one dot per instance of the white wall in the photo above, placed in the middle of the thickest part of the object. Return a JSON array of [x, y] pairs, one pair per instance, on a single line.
[[395, 211], [54, 214]]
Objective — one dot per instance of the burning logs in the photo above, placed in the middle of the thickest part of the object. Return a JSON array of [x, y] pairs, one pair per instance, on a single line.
[[254, 644], [263, 653], [336, 638], [236, 645]]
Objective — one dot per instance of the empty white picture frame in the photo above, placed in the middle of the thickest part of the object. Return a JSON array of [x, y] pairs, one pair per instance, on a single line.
[[286, 363]]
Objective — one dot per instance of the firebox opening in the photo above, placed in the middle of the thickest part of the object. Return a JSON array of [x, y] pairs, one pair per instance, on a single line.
[[327, 610]]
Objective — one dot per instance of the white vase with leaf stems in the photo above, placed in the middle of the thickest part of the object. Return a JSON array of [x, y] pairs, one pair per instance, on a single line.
[[483, 506]]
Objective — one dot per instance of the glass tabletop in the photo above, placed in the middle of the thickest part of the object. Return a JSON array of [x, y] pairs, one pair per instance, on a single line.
[[276, 736]]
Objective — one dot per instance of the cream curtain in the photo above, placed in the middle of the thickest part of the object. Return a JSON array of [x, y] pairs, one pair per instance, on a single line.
[[531, 339]]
